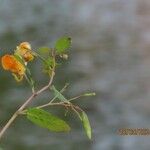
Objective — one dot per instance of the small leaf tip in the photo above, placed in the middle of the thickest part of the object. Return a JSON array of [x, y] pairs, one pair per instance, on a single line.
[[90, 94]]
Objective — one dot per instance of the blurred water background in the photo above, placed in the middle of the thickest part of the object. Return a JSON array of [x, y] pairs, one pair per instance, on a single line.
[[110, 55]]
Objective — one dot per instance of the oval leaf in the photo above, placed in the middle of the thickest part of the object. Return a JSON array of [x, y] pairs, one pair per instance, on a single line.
[[44, 51], [47, 120], [62, 44], [86, 124]]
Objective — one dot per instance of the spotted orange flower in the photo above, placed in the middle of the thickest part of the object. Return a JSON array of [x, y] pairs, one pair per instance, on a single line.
[[10, 63], [24, 50]]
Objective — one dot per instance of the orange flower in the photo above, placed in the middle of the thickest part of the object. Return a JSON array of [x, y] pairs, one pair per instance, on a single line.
[[24, 50], [10, 63]]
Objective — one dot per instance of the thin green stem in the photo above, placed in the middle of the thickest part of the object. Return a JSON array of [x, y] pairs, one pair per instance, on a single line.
[[82, 95], [76, 112], [30, 83], [26, 77], [61, 91], [76, 97], [61, 104]]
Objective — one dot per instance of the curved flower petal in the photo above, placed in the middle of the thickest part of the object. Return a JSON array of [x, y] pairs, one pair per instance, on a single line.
[[24, 50], [10, 63]]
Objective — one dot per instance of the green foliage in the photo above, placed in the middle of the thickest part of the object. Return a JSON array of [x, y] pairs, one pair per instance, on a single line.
[[86, 124], [47, 120], [89, 94], [44, 51], [48, 61], [49, 58], [48, 64], [62, 45], [59, 95]]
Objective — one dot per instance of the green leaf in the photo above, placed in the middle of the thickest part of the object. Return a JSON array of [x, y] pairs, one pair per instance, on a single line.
[[47, 120], [44, 51], [89, 94], [48, 65], [86, 124], [49, 62], [29, 78], [62, 44], [59, 95]]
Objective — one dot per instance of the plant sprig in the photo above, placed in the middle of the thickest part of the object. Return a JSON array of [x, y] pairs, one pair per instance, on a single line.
[[17, 64]]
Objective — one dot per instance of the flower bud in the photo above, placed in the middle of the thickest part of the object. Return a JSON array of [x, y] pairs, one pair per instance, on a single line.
[[24, 50]]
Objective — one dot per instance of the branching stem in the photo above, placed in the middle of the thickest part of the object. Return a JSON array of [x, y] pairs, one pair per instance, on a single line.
[[24, 105]]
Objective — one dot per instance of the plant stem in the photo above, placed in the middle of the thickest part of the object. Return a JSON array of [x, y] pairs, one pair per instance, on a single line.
[[82, 95], [24, 105], [30, 83], [61, 104], [61, 91]]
